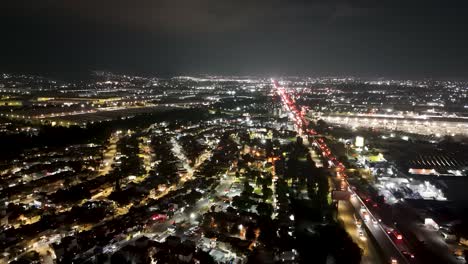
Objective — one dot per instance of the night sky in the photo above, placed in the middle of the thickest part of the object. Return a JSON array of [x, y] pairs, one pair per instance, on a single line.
[[377, 38]]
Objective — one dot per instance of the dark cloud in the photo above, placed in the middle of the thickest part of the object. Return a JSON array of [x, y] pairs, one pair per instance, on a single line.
[[413, 38]]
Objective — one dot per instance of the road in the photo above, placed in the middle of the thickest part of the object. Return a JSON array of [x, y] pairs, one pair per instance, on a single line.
[[386, 244], [346, 214], [390, 249], [109, 155], [406, 218], [177, 150]]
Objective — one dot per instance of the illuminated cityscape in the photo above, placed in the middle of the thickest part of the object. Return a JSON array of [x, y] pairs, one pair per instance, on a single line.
[[226, 169], [233, 132]]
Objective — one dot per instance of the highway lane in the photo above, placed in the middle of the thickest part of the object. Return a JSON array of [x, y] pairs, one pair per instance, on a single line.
[[356, 207], [346, 214], [384, 241]]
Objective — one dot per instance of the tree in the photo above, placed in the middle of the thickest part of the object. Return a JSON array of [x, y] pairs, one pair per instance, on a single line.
[[267, 193], [291, 170], [265, 209], [241, 202], [203, 257], [250, 233], [299, 141], [247, 188], [281, 188], [231, 210]]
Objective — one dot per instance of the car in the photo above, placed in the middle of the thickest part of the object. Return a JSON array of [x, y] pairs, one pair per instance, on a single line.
[[195, 229], [363, 208], [397, 235], [374, 221], [393, 233], [309, 229], [393, 261], [361, 234], [365, 216], [358, 223], [407, 254], [159, 217], [388, 230], [189, 233]]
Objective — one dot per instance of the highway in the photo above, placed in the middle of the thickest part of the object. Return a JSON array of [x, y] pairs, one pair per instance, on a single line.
[[346, 215], [384, 241], [391, 251]]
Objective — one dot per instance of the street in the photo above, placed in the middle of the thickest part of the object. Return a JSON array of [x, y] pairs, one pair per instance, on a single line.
[[346, 215], [391, 251]]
